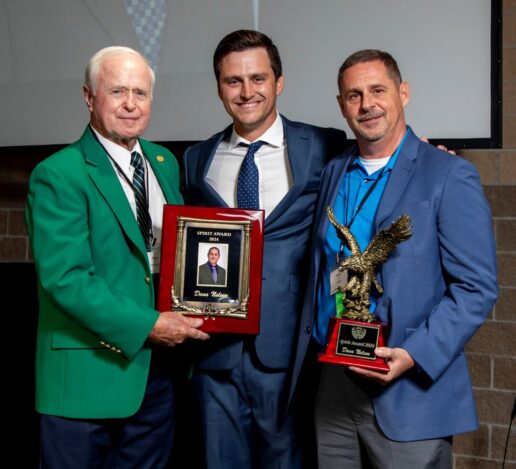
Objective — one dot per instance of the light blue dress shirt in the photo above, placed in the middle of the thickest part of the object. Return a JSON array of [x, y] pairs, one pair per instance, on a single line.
[[352, 191]]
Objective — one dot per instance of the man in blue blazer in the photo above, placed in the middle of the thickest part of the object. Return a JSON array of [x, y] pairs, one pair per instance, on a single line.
[[242, 382], [439, 286]]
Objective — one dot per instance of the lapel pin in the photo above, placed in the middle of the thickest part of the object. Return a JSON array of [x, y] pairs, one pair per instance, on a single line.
[[160, 158]]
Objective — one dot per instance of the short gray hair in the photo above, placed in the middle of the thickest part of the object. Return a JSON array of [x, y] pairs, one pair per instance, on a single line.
[[92, 69], [371, 55]]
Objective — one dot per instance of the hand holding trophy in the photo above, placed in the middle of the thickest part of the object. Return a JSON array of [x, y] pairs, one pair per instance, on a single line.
[[354, 335]]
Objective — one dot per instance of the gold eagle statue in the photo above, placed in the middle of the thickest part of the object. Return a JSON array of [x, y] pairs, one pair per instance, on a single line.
[[361, 266]]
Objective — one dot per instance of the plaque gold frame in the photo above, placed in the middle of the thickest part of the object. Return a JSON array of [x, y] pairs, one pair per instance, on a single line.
[[211, 309]]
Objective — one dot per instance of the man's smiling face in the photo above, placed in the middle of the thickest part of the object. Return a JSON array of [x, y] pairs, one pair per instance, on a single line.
[[372, 101], [248, 89]]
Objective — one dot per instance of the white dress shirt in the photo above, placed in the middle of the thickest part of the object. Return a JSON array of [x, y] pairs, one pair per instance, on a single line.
[[271, 160], [155, 194]]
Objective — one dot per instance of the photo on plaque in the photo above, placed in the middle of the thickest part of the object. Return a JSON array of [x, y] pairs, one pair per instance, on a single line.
[[212, 269], [211, 265], [215, 261]]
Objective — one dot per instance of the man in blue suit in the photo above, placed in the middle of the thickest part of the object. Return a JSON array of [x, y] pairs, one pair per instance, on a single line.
[[242, 382], [439, 286]]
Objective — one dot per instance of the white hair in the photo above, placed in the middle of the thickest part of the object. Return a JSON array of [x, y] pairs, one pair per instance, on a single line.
[[92, 69]]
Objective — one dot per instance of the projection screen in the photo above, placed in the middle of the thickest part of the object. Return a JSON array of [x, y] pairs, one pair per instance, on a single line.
[[448, 51]]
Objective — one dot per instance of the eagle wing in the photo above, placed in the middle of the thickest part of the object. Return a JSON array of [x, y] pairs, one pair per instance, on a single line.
[[343, 233], [385, 241]]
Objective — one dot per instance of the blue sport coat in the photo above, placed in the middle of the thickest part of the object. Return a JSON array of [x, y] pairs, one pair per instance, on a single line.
[[286, 242], [439, 286]]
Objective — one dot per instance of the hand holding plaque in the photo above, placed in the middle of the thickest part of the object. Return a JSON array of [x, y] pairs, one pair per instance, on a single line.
[[353, 337]]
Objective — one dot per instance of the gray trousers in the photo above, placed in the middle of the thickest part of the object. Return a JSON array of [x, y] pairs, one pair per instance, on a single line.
[[349, 437]]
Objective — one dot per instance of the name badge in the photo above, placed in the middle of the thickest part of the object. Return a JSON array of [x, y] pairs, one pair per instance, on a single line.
[[154, 256], [338, 280]]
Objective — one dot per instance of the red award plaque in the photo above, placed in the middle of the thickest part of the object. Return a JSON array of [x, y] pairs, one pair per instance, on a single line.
[[352, 343], [211, 266], [353, 337]]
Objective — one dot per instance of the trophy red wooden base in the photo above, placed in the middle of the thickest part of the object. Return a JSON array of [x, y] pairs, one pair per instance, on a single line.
[[352, 343]]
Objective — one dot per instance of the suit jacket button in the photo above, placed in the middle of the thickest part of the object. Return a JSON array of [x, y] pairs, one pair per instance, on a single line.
[[308, 329], [147, 279]]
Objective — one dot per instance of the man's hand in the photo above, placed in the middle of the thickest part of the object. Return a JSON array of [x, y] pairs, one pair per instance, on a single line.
[[398, 360], [174, 328], [441, 147]]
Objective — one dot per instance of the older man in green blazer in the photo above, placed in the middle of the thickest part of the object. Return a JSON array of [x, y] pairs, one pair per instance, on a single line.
[[94, 216]]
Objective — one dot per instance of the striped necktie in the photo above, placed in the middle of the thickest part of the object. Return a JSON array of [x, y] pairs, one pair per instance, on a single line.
[[214, 275], [249, 179], [140, 197]]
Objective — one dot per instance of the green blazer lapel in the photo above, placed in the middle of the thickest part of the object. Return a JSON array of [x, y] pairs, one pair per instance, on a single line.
[[159, 165], [105, 180]]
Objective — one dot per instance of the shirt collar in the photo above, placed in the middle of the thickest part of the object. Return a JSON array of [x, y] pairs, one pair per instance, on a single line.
[[357, 165], [273, 136], [388, 166], [120, 154]]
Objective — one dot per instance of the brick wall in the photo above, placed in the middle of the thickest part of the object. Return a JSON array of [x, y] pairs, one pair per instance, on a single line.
[[14, 173], [13, 235], [491, 353]]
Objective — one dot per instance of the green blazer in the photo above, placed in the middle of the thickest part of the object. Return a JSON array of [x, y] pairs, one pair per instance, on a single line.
[[96, 297]]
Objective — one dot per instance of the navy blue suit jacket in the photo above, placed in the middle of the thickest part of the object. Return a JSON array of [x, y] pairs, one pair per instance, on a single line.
[[286, 243], [439, 286]]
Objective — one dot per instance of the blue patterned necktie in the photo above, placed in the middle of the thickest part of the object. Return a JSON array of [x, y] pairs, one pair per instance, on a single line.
[[249, 179], [140, 197], [214, 275]]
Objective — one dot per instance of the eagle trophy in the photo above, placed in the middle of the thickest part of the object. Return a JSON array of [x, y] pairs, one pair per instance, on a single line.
[[361, 266]]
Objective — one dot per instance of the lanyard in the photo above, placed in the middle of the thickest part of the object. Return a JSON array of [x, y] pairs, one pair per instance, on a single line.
[[130, 183], [369, 191], [364, 199], [372, 187]]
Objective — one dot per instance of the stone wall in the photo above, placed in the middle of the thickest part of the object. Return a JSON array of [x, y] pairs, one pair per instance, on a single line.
[[492, 351]]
